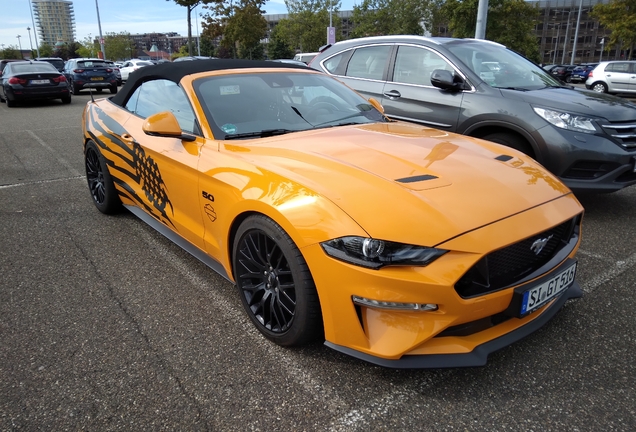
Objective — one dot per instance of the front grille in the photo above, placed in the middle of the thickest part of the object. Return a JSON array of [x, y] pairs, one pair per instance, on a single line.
[[588, 170], [506, 267], [623, 133]]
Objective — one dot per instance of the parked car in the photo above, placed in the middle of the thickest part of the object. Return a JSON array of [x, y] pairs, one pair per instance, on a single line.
[[3, 63], [587, 139], [305, 57], [290, 61], [190, 58], [580, 73], [32, 80], [335, 223], [613, 77], [564, 73], [114, 67], [131, 66], [84, 73], [55, 61]]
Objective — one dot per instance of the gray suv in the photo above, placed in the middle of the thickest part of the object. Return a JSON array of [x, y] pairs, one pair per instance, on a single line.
[[482, 89]]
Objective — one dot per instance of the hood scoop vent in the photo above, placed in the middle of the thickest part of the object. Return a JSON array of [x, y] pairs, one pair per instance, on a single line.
[[503, 158], [415, 179]]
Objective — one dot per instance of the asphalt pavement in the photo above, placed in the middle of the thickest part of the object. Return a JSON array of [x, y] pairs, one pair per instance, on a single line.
[[106, 325]]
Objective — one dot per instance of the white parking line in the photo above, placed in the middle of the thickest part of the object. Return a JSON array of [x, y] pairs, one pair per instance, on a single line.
[[595, 255], [301, 375], [618, 268], [62, 161], [78, 177]]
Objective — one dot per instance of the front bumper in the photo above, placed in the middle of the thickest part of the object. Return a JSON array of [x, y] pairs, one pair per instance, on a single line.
[[478, 356], [461, 327], [586, 162]]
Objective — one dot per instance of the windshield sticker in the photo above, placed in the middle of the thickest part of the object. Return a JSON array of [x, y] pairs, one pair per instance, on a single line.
[[230, 90], [228, 128]]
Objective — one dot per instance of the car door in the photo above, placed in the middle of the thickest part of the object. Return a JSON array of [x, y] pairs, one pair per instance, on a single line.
[[363, 69], [125, 70], [165, 169], [409, 95], [619, 76]]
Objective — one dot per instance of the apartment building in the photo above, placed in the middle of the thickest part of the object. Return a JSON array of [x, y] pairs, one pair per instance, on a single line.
[[55, 21]]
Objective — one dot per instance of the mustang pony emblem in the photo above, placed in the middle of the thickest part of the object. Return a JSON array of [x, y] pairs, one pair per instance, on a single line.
[[539, 244]]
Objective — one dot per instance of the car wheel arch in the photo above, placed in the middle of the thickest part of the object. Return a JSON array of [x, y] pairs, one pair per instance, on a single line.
[[480, 130]]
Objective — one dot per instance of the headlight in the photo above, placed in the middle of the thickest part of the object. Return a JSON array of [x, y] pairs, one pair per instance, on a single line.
[[373, 253], [567, 121]]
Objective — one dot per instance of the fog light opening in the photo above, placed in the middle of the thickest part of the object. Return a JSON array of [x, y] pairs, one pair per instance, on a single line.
[[362, 301]]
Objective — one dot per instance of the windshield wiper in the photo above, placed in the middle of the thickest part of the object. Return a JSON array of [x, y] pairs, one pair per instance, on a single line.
[[514, 88], [339, 122], [262, 134]]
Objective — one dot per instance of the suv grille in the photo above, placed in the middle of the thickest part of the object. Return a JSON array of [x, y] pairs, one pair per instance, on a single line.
[[506, 267], [624, 133]]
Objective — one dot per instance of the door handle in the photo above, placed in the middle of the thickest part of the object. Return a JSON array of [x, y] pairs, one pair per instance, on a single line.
[[392, 94]]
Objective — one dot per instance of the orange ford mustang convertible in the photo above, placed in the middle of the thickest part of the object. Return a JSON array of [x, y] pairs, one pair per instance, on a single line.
[[398, 244]]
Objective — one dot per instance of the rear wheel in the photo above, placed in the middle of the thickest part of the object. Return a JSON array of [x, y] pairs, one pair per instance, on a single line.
[[599, 87], [74, 89], [113, 89], [100, 183], [10, 103], [66, 99], [275, 284], [510, 140]]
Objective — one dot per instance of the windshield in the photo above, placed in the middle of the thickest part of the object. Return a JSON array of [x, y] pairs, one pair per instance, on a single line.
[[500, 67], [266, 104]]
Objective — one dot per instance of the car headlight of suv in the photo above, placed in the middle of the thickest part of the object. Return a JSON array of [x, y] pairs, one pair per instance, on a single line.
[[374, 253], [566, 120]]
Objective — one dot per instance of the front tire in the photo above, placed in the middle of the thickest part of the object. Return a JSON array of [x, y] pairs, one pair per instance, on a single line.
[[275, 284], [100, 183]]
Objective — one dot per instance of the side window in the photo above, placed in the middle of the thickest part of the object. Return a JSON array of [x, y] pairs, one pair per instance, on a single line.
[[368, 62], [618, 67], [156, 96], [332, 63], [414, 65]]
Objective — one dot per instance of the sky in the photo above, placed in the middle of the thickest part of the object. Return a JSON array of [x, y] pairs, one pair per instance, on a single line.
[[133, 16]]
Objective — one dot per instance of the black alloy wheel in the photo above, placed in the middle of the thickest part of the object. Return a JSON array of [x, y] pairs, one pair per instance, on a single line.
[[275, 285], [100, 183]]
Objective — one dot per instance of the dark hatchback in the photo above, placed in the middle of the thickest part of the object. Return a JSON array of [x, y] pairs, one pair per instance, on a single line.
[[482, 89], [32, 80], [83, 73]]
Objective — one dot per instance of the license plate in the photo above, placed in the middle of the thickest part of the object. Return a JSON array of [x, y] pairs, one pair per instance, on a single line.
[[97, 79], [42, 81], [541, 294]]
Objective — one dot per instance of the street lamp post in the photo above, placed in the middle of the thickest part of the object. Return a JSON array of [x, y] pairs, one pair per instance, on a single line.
[[30, 43], [20, 44]]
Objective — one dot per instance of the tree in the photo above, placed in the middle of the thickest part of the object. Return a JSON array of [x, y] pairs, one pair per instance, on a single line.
[[305, 29], [240, 26], [88, 47], [619, 17], [386, 17], [67, 51], [190, 5], [11, 53], [46, 50], [117, 45], [510, 22], [278, 47], [207, 46]]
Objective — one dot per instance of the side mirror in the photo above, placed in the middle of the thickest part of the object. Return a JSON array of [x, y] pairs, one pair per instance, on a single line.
[[377, 105], [445, 80], [165, 124]]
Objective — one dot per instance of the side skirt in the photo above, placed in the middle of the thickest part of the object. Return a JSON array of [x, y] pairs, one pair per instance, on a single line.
[[179, 241]]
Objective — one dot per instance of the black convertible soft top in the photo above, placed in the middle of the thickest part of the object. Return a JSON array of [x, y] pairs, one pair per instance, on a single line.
[[176, 71]]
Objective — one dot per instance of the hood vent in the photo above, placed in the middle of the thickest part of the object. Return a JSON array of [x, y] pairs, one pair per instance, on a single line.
[[416, 179], [503, 158]]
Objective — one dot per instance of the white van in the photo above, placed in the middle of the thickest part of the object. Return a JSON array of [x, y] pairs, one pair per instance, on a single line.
[[305, 57]]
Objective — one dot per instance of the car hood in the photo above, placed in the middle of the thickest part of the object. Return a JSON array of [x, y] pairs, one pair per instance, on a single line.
[[385, 175], [578, 101]]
